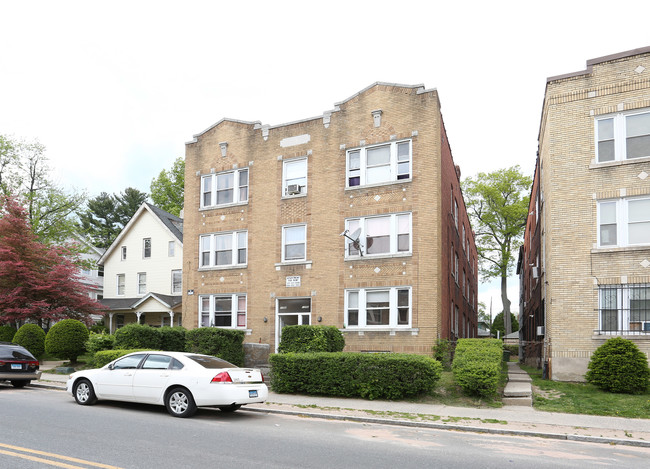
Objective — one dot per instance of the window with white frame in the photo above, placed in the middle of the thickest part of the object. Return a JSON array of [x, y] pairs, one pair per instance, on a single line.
[[146, 248], [381, 235], [294, 176], [177, 282], [294, 243], [222, 310], [229, 187], [142, 283], [378, 307], [624, 308], [225, 249], [624, 222], [121, 283], [171, 249], [623, 136], [123, 253], [378, 164]]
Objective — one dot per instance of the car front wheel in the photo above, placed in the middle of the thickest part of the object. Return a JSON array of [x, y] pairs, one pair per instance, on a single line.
[[84, 393], [180, 403], [20, 383]]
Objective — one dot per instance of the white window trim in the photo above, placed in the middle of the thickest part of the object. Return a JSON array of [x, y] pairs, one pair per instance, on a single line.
[[236, 199], [212, 264], [171, 249], [304, 258], [123, 253], [394, 226], [117, 284], [620, 136], [138, 283], [623, 309], [180, 290], [622, 222], [144, 250], [285, 185], [363, 164], [393, 311], [234, 305]]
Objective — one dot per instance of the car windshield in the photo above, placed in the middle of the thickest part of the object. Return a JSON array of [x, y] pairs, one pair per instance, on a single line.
[[211, 362], [14, 353]]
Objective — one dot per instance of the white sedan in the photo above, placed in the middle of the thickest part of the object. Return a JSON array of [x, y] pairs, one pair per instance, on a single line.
[[179, 381]]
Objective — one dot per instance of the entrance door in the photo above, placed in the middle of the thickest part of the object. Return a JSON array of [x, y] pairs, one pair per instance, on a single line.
[[291, 312]]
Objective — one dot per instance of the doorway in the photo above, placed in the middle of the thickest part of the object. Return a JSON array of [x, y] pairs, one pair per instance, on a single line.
[[291, 312]]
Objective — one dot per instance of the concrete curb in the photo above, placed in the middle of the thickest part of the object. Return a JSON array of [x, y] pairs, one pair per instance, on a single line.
[[461, 428]]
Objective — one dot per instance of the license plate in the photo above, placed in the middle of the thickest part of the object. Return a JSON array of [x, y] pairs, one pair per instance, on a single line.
[[252, 393], [16, 366]]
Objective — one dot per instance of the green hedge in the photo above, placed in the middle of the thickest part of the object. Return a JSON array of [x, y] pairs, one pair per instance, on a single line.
[[97, 342], [32, 337], [67, 339], [104, 357], [370, 376], [7, 333], [138, 336], [227, 344], [619, 366], [305, 339], [477, 365], [172, 338]]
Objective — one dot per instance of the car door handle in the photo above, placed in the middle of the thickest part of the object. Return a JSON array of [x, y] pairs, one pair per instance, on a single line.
[[164, 375]]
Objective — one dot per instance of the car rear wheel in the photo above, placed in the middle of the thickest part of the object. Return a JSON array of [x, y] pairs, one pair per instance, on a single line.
[[84, 393], [180, 403], [229, 408], [20, 383]]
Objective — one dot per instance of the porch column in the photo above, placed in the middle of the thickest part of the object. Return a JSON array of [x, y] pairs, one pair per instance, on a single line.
[[138, 314], [110, 323], [171, 318]]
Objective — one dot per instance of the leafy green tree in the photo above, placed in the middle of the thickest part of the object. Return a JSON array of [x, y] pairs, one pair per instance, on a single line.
[[498, 325], [66, 339], [128, 202], [497, 204], [168, 189]]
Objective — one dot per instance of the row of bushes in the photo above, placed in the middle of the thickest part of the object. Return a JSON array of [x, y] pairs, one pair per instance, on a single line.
[[477, 365], [65, 339], [370, 376]]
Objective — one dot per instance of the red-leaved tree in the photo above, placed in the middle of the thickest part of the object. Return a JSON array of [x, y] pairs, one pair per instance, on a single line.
[[38, 283]]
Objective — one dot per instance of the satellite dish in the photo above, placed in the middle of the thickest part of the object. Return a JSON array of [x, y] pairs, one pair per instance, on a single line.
[[354, 237], [355, 234]]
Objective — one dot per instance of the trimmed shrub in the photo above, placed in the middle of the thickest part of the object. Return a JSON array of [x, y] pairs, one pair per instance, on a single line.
[[306, 339], [172, 338], [104, 357], [366, 375], [619, 366], [99, 329], [477, 365], [7, 333], [443, 352], [227, 344], [67, 339], [97, 342], [137, 336], [32, 337]]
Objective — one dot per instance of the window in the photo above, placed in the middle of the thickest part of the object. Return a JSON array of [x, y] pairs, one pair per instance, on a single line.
[[227, 249], [381, 235], [123, 253], [177, 282], [294, 177], [171, 248], [624, 222], [380, 307], [157, 362], [379, 164], [230, 187], [624, 308], [456, 213], [146, 248], [623, 136], [120, 284], [462, 239], [142, 283], [222, 310], [294, 243]]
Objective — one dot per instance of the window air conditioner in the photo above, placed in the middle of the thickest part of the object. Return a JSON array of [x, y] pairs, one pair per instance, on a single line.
[[535, 272], [540, 330], [293, 189]]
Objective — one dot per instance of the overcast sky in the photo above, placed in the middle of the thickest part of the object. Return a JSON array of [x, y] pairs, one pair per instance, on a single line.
[[115, 89]]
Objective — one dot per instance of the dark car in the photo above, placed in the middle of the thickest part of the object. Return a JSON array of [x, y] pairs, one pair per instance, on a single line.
[[17, 365]]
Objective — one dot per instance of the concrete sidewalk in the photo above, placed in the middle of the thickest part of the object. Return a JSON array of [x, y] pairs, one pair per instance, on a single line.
[[509, 419]]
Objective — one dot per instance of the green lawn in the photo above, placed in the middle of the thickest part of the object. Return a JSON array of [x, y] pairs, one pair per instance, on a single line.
[[584, 398]]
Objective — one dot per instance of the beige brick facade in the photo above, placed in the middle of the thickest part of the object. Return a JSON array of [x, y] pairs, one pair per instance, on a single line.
[[266, 283], [574, 183]]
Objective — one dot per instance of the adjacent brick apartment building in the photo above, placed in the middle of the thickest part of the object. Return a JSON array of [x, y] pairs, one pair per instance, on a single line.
[[594, 229], [354, 218]]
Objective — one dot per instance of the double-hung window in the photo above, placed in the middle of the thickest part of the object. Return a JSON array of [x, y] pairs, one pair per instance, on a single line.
[[294, 177], [227, 310], [378, 307], [623, 136], [378, 164], [121, 284], [177, 282], [294, 243], [225, 249], [123, 253], [624, 308], [229, 187], [146, 248], [142, 283], [380, 235], [624, 222]]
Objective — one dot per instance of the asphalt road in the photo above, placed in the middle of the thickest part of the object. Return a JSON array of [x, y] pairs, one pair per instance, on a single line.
[[42, 428]]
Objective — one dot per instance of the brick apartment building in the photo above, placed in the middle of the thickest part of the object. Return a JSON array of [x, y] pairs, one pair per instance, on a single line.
[[593, 234], [354, 219]]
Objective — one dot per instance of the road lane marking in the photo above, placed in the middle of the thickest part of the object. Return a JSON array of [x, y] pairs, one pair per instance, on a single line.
[[51, 455]]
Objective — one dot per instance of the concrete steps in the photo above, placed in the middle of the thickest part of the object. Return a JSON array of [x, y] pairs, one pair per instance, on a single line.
[[518, 391]]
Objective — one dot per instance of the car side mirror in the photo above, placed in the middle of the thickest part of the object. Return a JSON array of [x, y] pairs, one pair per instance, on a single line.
[[111, 366]]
